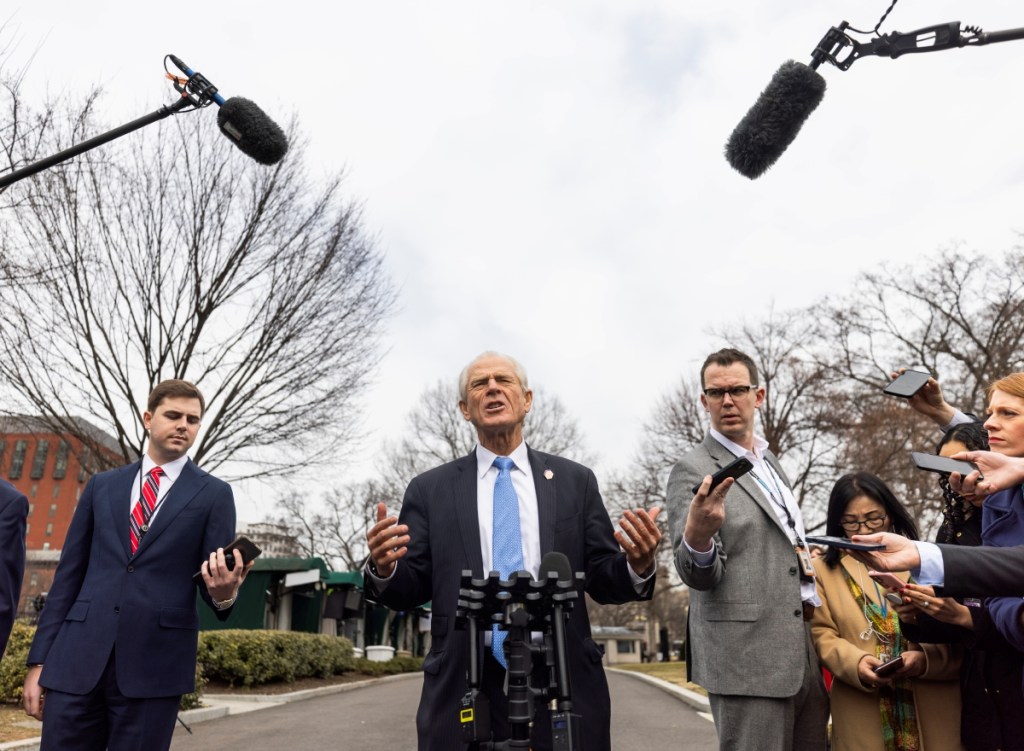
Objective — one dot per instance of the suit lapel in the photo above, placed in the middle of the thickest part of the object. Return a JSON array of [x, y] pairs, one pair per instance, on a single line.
[[547, 497], [184, 489], [119, 501], [747, 483], [466, 511]]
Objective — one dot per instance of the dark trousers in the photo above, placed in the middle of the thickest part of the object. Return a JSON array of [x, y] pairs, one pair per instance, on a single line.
[[106, 720]]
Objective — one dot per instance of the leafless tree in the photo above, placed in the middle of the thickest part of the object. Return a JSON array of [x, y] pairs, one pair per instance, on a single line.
[[959, 314], [334, 528], [169, 254]]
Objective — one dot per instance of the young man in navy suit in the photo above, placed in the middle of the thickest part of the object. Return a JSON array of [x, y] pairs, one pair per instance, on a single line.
[[116, 643], [13, 510], [450, 522]]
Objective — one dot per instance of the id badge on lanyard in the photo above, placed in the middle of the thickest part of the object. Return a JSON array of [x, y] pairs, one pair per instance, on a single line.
[[806, 566]]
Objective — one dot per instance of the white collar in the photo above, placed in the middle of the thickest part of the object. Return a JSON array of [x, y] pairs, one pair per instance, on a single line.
[[485, 458]]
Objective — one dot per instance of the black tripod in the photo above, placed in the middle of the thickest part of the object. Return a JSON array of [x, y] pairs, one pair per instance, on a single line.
[[520, 605]]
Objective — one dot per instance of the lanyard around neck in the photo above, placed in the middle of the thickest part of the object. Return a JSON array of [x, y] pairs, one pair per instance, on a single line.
[[780, 501]]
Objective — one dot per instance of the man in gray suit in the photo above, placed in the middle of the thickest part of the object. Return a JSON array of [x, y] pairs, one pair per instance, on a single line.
[[752, 588]]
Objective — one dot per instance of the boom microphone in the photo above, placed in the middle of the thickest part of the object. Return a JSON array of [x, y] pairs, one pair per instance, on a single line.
[[776, 117], [252, 131], [796, 89], [249, 127]]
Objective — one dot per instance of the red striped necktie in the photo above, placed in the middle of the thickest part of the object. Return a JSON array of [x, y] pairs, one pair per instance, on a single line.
[[138, 525]]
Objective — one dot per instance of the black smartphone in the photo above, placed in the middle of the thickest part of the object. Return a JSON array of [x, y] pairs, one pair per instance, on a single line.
[[888, 668], [249, 550], [736, 468], [908, 384], [842, 542], [941, 464]]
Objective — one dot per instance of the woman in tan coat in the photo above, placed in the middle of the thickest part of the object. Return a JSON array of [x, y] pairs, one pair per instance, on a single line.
[[916, 708]]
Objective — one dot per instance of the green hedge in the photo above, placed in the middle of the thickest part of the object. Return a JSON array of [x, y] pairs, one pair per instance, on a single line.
[[390, 667], [250, 658], [236, 657], [13, 668]]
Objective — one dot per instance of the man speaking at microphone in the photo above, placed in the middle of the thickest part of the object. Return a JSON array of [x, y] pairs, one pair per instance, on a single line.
[[502, 508]]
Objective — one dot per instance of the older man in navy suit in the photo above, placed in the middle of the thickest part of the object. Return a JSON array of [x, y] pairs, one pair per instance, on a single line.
[[454, 518], [13, 510], [116, 643]]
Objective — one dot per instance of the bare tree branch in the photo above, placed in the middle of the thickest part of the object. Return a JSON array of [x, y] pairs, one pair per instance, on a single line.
[[171, 255]]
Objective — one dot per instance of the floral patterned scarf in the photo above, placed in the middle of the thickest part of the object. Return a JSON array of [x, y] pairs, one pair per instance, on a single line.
[[896, 701]]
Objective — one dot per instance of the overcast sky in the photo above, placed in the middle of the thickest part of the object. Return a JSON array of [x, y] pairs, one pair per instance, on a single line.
[[547, 179]]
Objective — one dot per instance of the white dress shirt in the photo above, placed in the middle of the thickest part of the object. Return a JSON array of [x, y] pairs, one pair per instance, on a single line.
[[529, 517]]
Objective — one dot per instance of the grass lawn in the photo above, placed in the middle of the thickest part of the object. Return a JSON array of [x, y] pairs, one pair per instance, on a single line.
[[673, 672]]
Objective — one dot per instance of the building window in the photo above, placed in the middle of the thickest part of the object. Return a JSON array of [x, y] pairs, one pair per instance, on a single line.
[[31, 508], [84, 460], [18, 459], [625, 646], [28, 528], [46, 546], [34, 581], [60, 467], [56, 490], [33, 490], [49, 529], [53, 510], [39, 462]]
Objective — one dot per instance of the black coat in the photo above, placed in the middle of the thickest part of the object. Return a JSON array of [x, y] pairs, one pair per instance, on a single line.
[[440, 508], [990, 679]]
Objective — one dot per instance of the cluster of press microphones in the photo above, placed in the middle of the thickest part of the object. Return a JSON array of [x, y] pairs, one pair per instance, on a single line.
[[797, 89]]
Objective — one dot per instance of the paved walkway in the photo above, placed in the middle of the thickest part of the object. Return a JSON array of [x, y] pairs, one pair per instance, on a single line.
[[380, 717]]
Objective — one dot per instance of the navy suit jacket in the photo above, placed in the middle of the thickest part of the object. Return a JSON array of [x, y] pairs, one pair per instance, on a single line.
[[440, 508], [143, 606], [13, 510]]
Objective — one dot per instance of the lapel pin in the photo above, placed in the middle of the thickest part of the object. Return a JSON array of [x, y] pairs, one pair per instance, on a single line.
[[548, 474]]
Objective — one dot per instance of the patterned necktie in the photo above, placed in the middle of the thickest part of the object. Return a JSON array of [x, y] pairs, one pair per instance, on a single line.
[[138, 524], [506, 540]]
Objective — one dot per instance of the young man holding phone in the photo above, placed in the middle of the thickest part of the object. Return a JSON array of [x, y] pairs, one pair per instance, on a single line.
[[115, 647], [748, 631]]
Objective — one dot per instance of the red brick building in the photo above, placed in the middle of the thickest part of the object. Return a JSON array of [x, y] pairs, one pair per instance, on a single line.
[[51, 469]]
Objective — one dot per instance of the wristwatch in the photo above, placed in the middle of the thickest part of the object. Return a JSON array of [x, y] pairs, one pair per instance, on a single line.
[[224, 604]]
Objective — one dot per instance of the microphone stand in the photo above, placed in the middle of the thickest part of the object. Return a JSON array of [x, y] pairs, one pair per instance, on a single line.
[[565, 724], [518, 605], [195, 92]]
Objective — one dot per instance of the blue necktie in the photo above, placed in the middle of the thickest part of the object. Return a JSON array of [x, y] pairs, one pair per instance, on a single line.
[[506, 540]]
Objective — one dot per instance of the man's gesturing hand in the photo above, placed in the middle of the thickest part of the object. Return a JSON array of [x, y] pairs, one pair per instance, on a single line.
[[640, 537], [387, 540]]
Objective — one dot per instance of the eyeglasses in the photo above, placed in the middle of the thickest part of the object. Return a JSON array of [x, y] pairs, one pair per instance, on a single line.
[[716, 395], [873, 522]]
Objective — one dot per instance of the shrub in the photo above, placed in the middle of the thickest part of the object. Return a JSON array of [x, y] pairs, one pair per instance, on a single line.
[[251, 658], [194, 699], [12, 666], [390, 667]]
